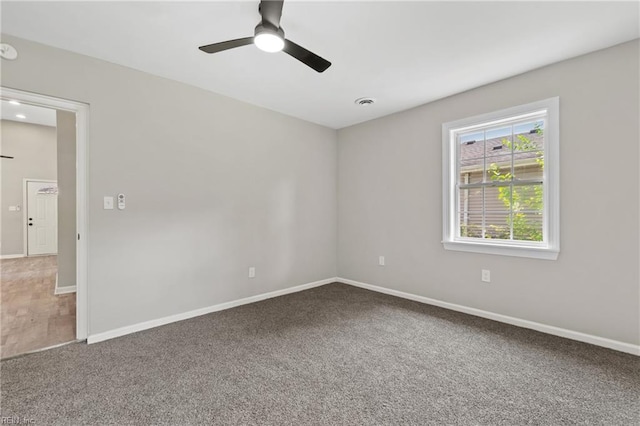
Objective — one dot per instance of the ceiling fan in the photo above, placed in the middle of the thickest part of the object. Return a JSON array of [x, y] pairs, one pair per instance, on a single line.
[[269, 36]]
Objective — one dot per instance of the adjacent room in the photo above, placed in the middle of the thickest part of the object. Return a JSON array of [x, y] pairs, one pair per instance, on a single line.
[[37, 258], [319, 212]]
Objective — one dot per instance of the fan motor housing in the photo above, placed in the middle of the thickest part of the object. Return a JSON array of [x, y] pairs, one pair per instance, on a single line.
[[265, 27]]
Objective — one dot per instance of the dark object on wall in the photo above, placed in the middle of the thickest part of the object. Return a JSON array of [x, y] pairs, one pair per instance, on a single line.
[[6, 156]]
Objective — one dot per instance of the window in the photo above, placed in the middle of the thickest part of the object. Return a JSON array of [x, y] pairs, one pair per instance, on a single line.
[[501, 186]]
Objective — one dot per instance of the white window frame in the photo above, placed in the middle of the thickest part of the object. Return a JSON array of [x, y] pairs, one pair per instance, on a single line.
[[549, 248]]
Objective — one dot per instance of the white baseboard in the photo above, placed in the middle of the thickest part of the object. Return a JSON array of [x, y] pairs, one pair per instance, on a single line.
[[111, 334], [556, 331], [11, 256], [65, 290]]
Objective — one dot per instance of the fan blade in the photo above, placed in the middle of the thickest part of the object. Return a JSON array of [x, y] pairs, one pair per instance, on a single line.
[[271, 11], [303, 55], [226, 45]]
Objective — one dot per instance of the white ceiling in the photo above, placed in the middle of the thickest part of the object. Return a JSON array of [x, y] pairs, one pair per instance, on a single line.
[[33, 114], [403, 54]]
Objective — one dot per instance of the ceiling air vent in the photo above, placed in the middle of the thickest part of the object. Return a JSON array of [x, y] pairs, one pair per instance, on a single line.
[[364, 101], [7, 51]]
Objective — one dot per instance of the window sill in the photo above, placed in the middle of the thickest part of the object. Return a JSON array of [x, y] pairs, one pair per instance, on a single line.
[[503, 250]]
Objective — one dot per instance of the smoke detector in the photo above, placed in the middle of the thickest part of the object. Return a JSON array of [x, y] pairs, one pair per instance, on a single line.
[[364, 101], [7, 51]]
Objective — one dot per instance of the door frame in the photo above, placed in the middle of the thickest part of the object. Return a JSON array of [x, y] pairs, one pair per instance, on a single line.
[[82, 196], [25, 213]]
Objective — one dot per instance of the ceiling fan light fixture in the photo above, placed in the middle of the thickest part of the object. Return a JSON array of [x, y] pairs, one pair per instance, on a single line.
[[269, 40], [269, 37]]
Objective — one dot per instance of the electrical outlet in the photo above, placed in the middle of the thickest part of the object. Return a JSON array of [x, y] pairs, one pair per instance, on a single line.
[[486, 276], [252, 272], [381, 260]]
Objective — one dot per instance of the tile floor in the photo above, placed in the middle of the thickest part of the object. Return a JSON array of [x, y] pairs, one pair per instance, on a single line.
[[31, 316]]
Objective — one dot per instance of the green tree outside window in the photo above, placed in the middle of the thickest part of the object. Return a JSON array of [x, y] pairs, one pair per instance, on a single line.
[[516, 199]]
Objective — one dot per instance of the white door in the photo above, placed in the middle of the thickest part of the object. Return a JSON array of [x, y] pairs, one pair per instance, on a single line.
[[42, 217]]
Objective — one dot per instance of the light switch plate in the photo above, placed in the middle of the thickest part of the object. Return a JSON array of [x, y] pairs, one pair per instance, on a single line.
[[108, 203]]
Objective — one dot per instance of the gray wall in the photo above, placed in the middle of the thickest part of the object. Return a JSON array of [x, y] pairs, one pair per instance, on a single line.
[[34, 150], [213, 186], [66, 134], [390, 188]]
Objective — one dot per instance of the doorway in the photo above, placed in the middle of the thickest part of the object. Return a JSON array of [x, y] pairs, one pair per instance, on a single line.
[[44, 246]]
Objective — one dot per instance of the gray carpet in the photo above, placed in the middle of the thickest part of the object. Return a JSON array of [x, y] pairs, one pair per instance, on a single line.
[[327, 356]]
